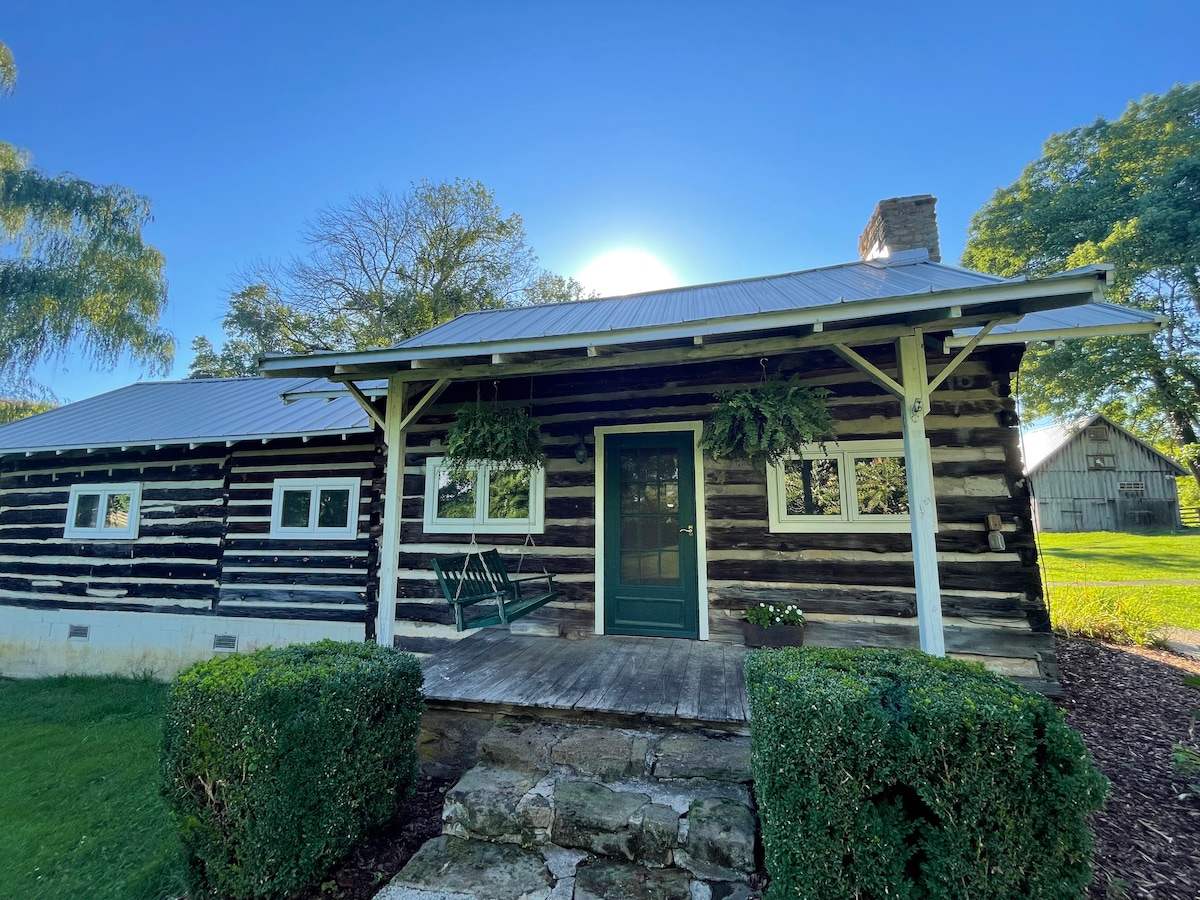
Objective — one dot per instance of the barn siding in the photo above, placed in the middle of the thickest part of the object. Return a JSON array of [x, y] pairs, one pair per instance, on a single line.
[[857, 588], [1071, 497]]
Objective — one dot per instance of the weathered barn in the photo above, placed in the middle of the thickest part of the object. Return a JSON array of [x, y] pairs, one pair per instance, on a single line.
[[1093, 475], [647, 534]]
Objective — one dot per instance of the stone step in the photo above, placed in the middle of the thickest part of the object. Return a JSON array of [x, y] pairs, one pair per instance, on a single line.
[[655, 798], [452, 868]]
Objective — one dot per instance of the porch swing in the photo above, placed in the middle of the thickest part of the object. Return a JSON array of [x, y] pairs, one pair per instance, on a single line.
[[477, 576]]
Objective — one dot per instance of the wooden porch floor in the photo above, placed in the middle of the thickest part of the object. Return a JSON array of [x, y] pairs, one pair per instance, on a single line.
[[657, 678]]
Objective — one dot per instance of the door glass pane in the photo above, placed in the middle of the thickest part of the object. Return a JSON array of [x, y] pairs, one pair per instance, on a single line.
[[649, 532], [296, 506], [455, 499], [333, 509], [116, 511], [812, 487], [882, 486], [508, 495], [86, 507]]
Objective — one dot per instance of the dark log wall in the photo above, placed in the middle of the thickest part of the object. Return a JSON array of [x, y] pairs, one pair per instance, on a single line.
[[203, 545], [173, 566], [858, 588], [307, 578]]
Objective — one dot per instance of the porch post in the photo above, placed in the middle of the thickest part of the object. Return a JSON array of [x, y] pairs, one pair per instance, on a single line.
[[910, 353], [393, 500]]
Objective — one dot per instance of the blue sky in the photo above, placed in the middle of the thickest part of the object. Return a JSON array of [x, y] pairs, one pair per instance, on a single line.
[[730, 140]]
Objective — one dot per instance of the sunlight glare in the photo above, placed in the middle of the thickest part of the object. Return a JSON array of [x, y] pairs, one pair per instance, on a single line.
[[626, 270]]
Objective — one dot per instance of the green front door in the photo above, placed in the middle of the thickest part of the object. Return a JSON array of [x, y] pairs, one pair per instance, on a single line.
[[650, 576]]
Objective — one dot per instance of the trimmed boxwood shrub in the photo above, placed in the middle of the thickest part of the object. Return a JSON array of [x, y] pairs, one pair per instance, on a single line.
[[275, 763], [896, 774]]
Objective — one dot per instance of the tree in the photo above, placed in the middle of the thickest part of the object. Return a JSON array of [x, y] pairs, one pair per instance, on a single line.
[[1127, 192], [74, 270], [380, 268]]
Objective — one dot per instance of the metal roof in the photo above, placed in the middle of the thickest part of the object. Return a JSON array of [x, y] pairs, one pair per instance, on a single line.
[[904, 274], [1041, 444], [194, 411], [1088, 320]]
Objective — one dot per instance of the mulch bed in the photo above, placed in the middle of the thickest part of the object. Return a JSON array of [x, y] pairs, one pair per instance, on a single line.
[[1131, 707], [1129, 704], [367, 871]]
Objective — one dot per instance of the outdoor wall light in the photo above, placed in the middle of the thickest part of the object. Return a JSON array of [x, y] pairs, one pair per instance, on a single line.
[[581, 451]]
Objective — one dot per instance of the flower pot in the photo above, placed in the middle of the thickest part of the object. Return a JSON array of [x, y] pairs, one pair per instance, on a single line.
[[773, 635]]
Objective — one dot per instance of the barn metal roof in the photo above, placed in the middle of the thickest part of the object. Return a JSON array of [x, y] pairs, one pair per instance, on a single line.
[[904, 274], [1041, 444], [1088, 320], [194, 411]]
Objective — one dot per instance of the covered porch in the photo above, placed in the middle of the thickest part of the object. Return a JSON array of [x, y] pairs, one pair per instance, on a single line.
[[647, 679]]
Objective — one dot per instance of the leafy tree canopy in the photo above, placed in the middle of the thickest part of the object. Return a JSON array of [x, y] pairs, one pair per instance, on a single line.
[[1126, 192], [74, 270], [380, 268]]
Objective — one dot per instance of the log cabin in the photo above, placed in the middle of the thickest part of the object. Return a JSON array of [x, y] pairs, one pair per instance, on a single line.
[[645, 533]]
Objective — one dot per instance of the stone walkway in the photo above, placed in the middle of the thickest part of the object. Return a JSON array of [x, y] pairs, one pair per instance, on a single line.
[[1185, 641], [570, 812]]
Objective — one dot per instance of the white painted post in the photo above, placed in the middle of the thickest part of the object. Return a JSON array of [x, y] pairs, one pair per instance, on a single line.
[[393, 500], [918, 465]]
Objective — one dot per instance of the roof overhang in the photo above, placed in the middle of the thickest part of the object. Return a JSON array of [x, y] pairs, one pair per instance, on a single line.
[[190, 442], [826, 324]]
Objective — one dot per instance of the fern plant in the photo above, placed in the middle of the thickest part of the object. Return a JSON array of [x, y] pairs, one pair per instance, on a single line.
[[767, 423], [504, 439]]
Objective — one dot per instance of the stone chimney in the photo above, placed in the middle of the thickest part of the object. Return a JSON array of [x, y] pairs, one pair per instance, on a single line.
[[898, 224]]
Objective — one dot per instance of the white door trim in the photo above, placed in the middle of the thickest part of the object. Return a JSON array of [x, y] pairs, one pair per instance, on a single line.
[[696, 428]]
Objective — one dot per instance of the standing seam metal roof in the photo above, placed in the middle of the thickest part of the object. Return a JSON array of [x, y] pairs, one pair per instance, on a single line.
[[812, 288], [198, 410]]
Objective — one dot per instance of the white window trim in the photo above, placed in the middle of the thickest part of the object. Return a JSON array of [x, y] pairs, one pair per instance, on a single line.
[[850, 520], [347, 532], [534, 524], [100, 533]]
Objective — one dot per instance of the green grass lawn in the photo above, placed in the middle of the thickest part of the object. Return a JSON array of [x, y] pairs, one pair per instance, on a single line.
[[79, 801], [1083, 559]]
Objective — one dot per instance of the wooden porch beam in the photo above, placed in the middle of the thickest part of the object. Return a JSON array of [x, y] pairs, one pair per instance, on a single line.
[[882, 378], [423, 404], [922, 503], [963, 354], [392, 499], [365, 402]]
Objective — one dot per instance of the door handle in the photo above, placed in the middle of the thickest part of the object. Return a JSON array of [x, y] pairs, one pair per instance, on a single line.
[[690, 531]]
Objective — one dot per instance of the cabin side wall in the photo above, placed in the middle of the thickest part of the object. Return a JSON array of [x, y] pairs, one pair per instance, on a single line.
[[1073, 495], [856, 588], [163, 600]]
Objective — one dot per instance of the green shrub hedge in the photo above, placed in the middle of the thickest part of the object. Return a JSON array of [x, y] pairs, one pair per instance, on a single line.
[[895, 774], [275, 763]]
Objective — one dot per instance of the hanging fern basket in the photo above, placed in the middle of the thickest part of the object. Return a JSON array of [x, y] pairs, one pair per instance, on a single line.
[[504, 439], [768, 423]]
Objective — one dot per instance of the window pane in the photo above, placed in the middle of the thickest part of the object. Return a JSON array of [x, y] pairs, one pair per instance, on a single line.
[[333, 508], [86, 508], [508, 495], [116, 511], [812, 487], [455, 499], [882, 486], [296, 506]]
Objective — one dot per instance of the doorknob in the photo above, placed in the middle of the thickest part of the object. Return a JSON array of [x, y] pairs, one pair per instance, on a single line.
[[690, 531]]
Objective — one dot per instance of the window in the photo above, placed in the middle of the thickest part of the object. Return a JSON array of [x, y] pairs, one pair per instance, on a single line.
[[1101, 462], [848, 486], [325, 508], [487, 500], [1097, 433], [107, 512]]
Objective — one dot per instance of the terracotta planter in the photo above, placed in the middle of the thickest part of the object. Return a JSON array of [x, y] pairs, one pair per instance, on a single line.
[[774, 636]]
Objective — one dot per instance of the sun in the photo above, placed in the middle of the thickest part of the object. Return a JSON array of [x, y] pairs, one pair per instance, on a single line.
[[626, 270]]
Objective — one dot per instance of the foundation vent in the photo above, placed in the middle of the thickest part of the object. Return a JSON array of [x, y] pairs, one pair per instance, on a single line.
[[79, 632], [225, 642]]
